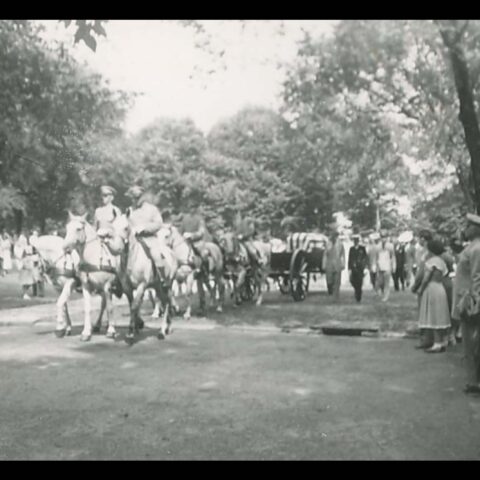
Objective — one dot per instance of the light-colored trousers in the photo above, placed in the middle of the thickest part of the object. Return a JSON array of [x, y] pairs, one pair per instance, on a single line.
[[383, 283], [334, 280]]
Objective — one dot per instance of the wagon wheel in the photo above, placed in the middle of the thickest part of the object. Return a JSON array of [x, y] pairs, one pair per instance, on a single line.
[[284, 284], [299, 277]]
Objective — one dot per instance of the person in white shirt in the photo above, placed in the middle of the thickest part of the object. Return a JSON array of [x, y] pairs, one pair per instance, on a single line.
[[372, 251], [386, 264]]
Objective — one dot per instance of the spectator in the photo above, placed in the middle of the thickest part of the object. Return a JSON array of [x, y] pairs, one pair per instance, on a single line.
[[333, 263], [385, 261], [400, 260], [410, 267], [19, 249], [357, 261], [6, 252], [372, 251], [434, 316], [27, 272], [466, 302]]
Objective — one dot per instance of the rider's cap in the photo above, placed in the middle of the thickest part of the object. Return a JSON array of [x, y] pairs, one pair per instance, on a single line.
[[135, 191], [107, 190]]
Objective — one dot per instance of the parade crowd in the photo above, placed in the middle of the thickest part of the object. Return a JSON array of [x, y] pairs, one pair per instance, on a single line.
[[444, 275]]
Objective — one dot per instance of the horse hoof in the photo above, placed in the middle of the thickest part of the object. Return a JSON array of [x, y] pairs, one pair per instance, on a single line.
[[161, 336], [85, 338], [129, 339], [60, 333], [219, 309], [68, 333], [111, 334], [187, 317], [96, 329], [140, 324], [169, 330]]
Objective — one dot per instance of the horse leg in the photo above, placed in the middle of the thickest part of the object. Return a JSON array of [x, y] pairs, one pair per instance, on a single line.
[[135, 320], [259, 280], [111, 331], [238, 286], [201, 296], [164, 294], [188, 296], [62, 322], [68, 331], [221, 292], [86, 334], [98, 323]]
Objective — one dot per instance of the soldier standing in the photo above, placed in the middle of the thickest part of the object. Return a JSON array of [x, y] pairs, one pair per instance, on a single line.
[[466, 302], [357, 262]]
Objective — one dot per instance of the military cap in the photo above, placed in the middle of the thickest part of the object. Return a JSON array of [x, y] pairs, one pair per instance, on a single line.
[[107, 190], [135, 191]]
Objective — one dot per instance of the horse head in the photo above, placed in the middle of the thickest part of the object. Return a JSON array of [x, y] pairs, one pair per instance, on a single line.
[[121, 227], [76, 232], [231, 247]]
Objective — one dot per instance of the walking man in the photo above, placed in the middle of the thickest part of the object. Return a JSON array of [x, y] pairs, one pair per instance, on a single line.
[[333, 263], [386, 264], [357, 261]]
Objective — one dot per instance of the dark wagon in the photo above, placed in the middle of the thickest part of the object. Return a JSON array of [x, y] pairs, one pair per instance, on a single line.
[[291, 269]]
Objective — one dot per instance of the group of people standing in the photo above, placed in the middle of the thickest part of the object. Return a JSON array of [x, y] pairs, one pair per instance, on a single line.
[[17, 252], [447, 306], [384, 258]]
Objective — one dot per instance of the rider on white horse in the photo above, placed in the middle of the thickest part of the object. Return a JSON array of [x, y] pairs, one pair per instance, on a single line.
[[103, 223], [194, 230], [145, 221], [106, 215]]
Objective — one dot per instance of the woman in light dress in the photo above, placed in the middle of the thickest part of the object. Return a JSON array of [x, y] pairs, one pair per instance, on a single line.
[[6, 252], [434, 314]]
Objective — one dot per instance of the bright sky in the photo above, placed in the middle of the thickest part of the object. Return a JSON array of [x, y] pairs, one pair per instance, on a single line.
[[159, 59]]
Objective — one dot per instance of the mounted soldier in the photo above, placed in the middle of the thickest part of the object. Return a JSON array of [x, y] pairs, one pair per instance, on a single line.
[[145, 221], [104, 218], [245, 229], [193, 228]]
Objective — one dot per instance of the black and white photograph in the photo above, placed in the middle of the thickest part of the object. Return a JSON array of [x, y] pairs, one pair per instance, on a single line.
[[247, 240]]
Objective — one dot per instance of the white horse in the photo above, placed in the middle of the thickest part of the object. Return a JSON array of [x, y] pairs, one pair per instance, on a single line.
[[98, 267], [186, 274]]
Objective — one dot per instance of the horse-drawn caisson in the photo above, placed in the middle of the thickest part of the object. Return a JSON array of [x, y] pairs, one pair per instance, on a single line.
[[130, 253], [293, 262]]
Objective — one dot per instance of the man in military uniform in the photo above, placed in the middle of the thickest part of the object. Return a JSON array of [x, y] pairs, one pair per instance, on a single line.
[[466, 302], [104, 218], [145, 221], [245, 230], [194, 230], [357, 262]]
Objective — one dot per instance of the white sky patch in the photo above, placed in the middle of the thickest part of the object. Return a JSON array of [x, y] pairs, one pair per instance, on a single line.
[[159, 59]]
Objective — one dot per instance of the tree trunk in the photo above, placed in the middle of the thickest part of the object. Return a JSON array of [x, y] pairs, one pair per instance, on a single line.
[[18, 221], [451, 36], [378, 222]]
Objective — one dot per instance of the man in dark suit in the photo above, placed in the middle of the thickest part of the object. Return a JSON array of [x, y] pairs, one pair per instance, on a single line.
[[357, 262], [399, 274]]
